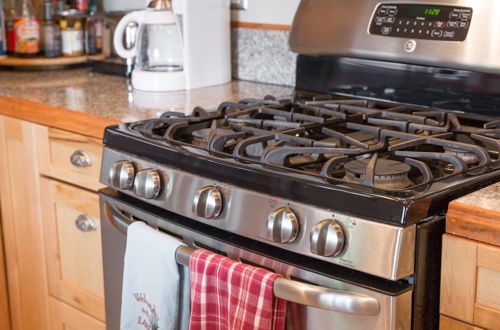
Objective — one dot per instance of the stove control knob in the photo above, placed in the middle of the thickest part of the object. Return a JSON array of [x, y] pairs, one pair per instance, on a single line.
[[327, 238], [282, 226], [208, 202], [147, 184], [121, 174]]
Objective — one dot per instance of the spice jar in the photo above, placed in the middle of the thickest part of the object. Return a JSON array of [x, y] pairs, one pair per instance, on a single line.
[[72, 24]]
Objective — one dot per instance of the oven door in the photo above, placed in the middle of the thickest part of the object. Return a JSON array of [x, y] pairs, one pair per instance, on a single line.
[[340, 303]]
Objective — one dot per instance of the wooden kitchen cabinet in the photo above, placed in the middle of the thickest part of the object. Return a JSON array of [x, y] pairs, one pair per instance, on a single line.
[[65, 317], [23, 225], [54, 269], [470, 282], [74, 254]]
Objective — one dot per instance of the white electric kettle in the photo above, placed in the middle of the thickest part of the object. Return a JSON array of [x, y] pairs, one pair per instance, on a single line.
[[158, 51]]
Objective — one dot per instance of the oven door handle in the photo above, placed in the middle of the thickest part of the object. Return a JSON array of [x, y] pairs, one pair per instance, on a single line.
[[311, 295], [116, 219]]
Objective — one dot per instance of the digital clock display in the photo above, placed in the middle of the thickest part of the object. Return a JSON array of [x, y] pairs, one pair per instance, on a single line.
[[423, 11], [432, 11]]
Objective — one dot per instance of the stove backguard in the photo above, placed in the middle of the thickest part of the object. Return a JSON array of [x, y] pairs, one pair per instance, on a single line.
[[436, 87]]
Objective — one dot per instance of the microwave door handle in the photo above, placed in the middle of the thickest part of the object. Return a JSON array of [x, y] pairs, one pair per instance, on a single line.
[[116, 218], [311, 295]]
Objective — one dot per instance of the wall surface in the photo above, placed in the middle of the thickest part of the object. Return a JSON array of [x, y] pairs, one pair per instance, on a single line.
[[267, 12], [262, 54]]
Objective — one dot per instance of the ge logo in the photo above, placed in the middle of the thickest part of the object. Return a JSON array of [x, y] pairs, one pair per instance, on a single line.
[[410, 46]]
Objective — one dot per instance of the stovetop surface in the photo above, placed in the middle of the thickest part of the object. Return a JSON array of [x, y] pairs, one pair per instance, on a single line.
[[349, 145]]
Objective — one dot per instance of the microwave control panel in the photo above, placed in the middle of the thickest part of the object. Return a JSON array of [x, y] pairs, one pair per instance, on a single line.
[[428, 22]]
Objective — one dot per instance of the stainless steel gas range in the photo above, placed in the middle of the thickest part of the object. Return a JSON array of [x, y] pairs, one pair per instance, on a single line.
[[341, 187]]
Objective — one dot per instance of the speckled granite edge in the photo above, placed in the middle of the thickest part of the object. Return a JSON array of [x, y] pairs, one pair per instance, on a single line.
[[262, 56], [487, 198]]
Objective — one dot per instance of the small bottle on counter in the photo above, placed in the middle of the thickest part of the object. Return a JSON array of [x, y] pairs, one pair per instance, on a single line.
[[94, 30], [51, 34], [26, 31], [10, 17], [71, 23], [3, 45]]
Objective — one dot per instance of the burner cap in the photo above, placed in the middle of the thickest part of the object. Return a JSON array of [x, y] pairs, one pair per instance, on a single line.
[[201, 136], [468, 157], [388, 174]]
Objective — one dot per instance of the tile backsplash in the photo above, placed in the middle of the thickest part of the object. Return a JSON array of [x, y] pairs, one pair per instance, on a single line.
[[262, 56]]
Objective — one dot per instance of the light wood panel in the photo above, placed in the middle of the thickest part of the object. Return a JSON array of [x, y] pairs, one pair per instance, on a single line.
[[74, 121], [56, 151], [22, 224], [470, 282], [458, 278], [44, 61], [474, 223], [74, 257], [260, 26], [64, 317], [4, 299], [486, 318], [447, 323]]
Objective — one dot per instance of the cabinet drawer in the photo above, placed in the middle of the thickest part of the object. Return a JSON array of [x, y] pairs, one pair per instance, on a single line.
[[470, 282], [64, 317], [72, 158], [73, 246]]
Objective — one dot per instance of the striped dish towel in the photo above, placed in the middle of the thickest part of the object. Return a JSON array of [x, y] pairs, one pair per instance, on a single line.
[[229, 295]]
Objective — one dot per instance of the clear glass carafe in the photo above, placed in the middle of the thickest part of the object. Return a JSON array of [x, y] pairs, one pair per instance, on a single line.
[[160, 47]]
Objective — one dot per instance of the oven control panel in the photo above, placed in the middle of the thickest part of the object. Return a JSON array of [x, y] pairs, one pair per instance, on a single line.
[[417, 21]]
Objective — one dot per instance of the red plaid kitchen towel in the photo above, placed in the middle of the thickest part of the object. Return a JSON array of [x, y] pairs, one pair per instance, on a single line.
[[229, 295]]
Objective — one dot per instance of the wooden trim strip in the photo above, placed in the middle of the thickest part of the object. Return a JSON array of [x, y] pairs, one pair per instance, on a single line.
[[51, 116], [474, 223], [260, 26]]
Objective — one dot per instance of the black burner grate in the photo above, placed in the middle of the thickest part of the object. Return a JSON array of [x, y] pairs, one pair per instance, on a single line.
[[324, 135]]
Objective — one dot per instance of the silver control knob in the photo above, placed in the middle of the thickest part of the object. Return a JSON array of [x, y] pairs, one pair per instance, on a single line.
[[327, 238], [208, 202], [147, 184], [121, 174], [282, 226]]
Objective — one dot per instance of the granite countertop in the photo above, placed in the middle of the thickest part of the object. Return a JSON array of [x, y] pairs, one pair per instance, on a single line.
[[487, 198], [112, 97]]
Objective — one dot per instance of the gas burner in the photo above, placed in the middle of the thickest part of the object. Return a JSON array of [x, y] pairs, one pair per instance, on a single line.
[[468, 157], [386, 173], [201, 137]]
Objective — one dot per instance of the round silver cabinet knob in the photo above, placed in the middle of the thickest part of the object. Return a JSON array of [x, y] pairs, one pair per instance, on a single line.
[[80, 159], [327, 238], [208, 202], [282, 226], [147, 184], [121, 174]]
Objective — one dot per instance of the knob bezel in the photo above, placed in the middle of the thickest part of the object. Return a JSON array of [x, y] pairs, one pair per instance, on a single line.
[[148, 183], [327, 238], [276, 232], [125, 170], [208, 195]]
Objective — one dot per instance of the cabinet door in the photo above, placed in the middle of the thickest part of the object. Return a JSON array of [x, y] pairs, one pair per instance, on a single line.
[[64, 317], [22, 224], [73, 245], [470, 282]]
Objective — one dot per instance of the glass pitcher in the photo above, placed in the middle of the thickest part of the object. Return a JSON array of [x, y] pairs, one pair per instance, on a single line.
[[159, 46]]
